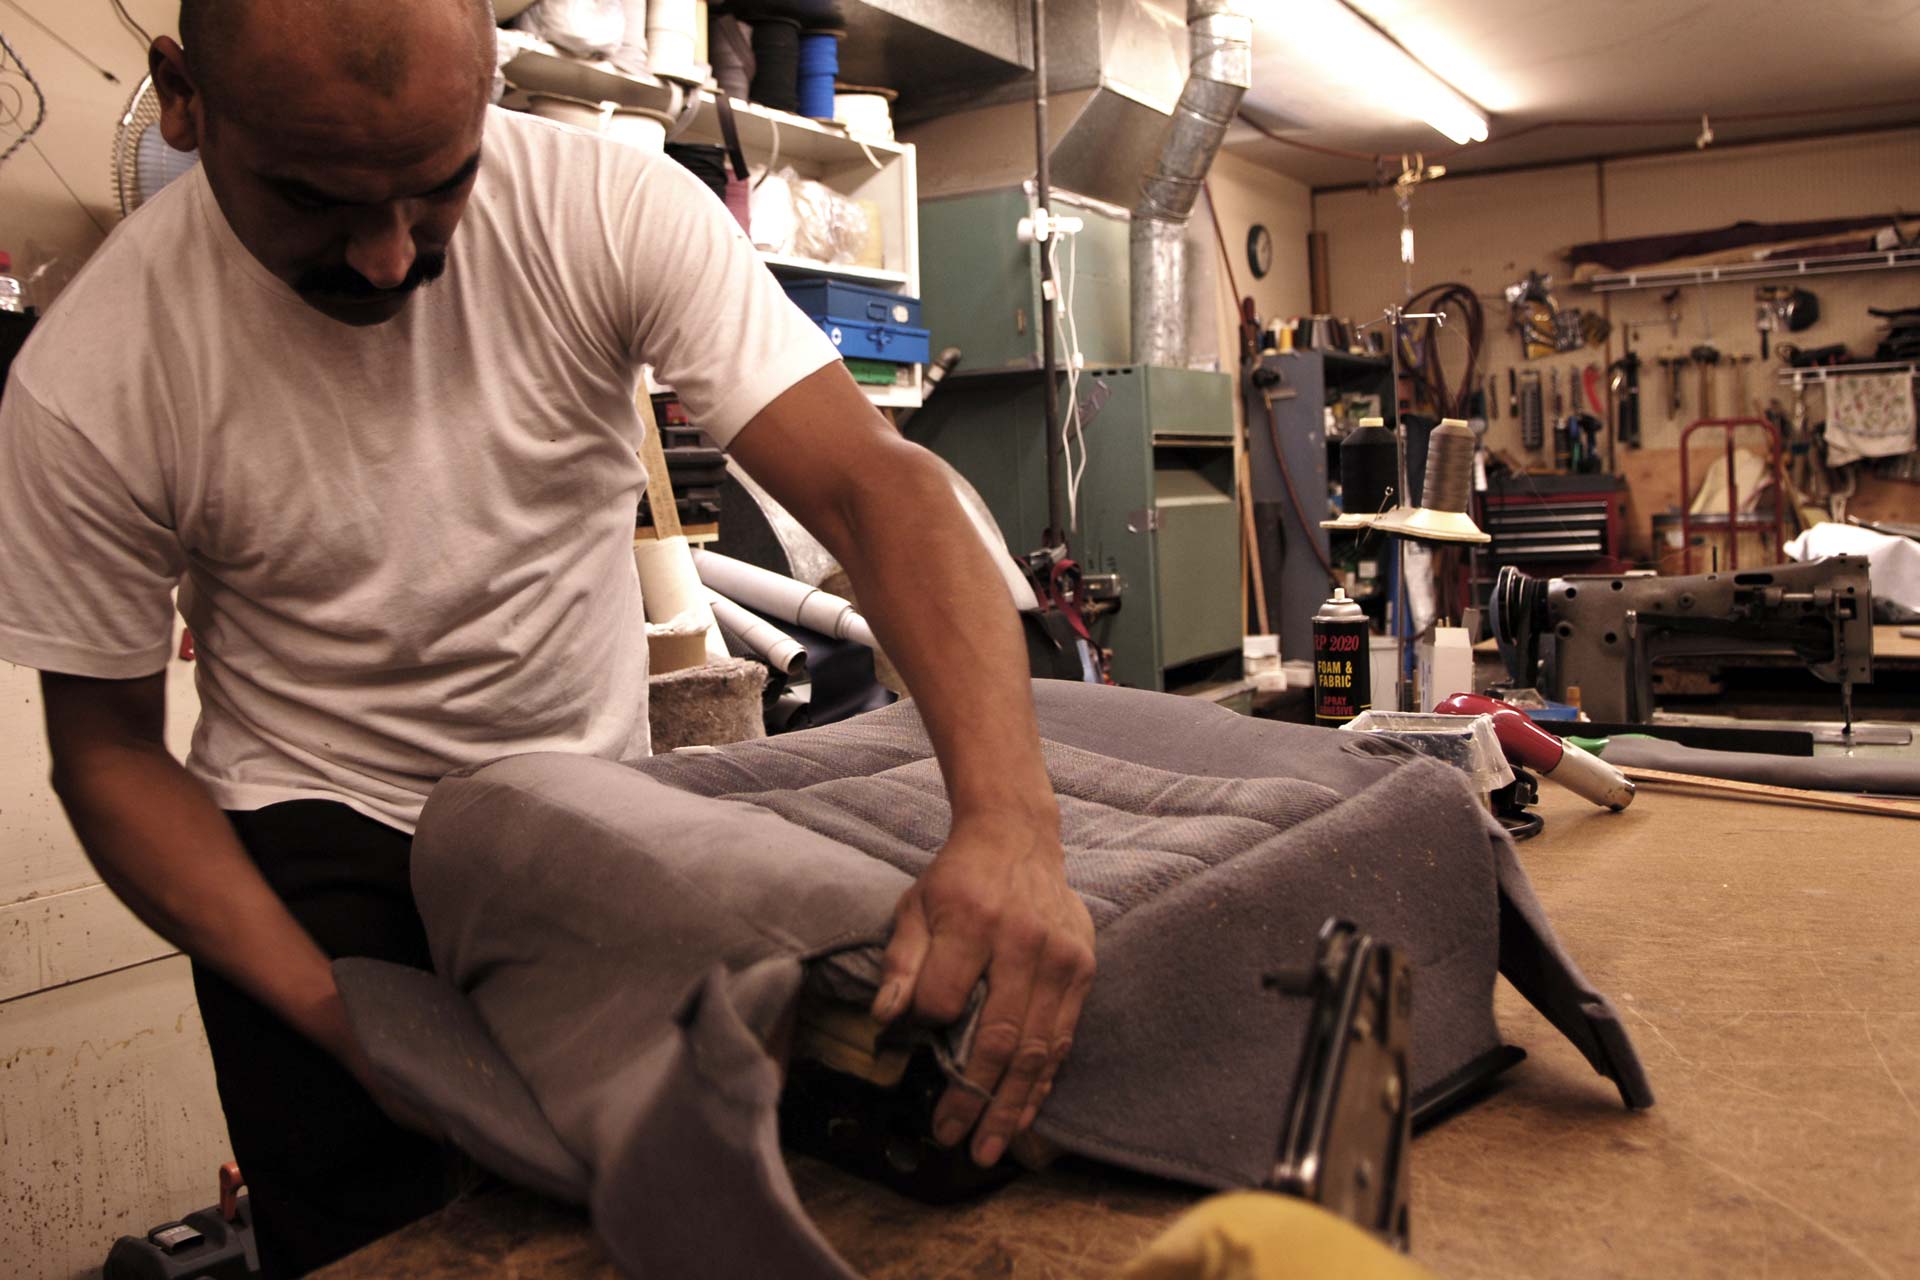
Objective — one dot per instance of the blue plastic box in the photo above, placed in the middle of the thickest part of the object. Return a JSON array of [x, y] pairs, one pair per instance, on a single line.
[[820, 297], [898, 343]]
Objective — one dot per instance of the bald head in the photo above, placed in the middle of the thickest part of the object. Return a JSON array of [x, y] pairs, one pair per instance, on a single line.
[[243, 54]]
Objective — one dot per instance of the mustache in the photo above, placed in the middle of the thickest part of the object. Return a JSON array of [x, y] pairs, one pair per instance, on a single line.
[[342, 281]]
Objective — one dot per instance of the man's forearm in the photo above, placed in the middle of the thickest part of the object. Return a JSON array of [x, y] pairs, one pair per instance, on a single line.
[[168, 852], [943, 615]]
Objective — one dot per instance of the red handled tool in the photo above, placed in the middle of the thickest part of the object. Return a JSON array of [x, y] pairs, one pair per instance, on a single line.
[[1528, 745]]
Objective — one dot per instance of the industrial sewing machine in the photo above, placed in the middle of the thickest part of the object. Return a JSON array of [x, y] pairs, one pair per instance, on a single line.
[[1603, 634]]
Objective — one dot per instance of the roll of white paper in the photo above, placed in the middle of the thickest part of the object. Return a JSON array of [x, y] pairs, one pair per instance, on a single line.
[[783, 598], [781, 651]]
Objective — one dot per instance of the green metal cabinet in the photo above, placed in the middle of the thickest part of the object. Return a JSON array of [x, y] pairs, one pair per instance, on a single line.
[[980, 283], [1156, 502]]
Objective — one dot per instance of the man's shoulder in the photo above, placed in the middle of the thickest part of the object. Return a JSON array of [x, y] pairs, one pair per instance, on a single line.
[[105, 326], [525, 149]]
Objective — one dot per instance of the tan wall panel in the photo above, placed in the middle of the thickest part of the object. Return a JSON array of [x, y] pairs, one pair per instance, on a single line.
[[1486, 231], [110, 1117], [38, 216]]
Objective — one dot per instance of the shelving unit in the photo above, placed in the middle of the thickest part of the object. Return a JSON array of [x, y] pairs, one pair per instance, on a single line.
[[1734, 272], [879, 173]]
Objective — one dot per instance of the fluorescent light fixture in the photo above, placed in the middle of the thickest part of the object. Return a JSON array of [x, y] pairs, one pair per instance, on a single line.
[[1351, 49]]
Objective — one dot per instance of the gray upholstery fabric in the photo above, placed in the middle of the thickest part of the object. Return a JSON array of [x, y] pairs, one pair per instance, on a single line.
[[1888, 775], [627, 937]]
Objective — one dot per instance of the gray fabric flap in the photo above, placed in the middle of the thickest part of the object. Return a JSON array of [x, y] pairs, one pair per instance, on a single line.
[[433, 1054], [1539, 967]]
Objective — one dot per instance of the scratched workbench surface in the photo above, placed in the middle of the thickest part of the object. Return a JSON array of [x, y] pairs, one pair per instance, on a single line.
[[1767, 962]]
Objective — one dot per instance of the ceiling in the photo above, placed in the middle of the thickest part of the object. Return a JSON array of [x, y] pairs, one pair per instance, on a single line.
[[1526, 62]]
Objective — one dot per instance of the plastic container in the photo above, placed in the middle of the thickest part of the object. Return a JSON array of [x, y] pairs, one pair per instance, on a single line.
[[820, 298], [1468, 743], [900, 344], [13, 294]]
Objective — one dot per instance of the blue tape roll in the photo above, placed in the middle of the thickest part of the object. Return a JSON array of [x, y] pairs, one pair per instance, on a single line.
[[819, 61]]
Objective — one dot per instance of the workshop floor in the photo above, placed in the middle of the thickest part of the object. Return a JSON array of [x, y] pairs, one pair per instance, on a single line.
[[1766, 960]]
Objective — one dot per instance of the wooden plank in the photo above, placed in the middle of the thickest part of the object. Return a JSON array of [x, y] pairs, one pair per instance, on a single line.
[[59, 938], [109, 1116]]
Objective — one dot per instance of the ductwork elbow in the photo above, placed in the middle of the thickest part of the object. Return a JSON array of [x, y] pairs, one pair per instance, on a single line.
[[1220, 69]]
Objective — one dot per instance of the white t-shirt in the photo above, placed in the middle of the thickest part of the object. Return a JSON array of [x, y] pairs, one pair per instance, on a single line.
[[406, 548]]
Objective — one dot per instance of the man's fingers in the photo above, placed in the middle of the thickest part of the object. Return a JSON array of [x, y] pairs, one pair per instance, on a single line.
[[957, 954], [996, 1041], [905, 956], [1073, 999]]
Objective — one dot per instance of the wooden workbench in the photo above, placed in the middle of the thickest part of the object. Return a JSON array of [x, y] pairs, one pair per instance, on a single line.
[[1767, 963]]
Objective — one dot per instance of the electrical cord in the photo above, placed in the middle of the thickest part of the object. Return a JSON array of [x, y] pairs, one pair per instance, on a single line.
[[40, 98]]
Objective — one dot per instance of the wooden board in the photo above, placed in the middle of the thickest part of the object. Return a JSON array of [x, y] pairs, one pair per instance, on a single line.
[[1765, 962]]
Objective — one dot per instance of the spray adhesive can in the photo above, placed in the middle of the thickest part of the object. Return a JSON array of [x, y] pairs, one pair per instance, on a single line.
[[1342, 684]]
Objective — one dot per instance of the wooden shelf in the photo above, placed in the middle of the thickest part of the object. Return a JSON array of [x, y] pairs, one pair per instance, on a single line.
[[1736, 272]]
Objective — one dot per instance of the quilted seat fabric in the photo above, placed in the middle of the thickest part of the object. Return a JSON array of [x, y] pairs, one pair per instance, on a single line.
[[616, 945]]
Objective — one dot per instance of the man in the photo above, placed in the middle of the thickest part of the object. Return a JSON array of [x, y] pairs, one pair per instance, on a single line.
[[403, 516]]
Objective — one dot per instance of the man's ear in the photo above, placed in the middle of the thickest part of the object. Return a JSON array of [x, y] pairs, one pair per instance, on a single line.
[[181, 103]]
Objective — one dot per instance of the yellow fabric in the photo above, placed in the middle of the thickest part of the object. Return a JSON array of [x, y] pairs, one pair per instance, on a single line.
[[1259, 1235]]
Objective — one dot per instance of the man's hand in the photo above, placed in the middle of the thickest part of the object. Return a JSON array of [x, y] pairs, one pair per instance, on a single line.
[[993, 904]]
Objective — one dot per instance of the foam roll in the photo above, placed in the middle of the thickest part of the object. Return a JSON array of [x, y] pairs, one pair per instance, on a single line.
[[670, 37], [1449, 479], [866, 115], [779, 650], [783, 597], [819, 63]]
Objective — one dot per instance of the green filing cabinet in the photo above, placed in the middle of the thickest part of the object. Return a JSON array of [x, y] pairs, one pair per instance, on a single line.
[[980, 284], [1156, 502]]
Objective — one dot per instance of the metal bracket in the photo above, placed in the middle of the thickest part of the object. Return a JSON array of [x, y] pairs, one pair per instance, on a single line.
[[1144, 520], [1350, 1128]]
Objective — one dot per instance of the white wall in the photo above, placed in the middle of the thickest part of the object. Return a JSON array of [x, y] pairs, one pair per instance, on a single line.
[[108, 1111]]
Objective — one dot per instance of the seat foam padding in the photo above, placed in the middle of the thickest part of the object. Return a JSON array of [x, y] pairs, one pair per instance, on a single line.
[[629, 937]]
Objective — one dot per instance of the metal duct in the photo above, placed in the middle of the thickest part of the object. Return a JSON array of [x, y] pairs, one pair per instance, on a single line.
[[1220, 49]]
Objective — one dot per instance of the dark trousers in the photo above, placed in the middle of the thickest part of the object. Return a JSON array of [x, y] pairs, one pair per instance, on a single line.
[[326, 1170]]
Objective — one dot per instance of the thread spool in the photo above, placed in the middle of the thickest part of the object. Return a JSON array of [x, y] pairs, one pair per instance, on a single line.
[[1368, 462], [731, 42], [776, 63], [1369, 470], [819, 62], [1444, 490], [1449, 478]]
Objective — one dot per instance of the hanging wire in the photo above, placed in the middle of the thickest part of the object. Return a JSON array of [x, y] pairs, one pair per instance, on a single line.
[[62, 41], [40, 99], [146, 37]]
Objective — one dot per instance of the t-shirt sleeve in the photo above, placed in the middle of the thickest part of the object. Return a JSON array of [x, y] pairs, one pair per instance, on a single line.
[[87, 579], [712, 320]]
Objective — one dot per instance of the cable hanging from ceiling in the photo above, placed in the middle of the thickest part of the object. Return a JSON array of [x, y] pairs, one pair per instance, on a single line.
[[40, 116]]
